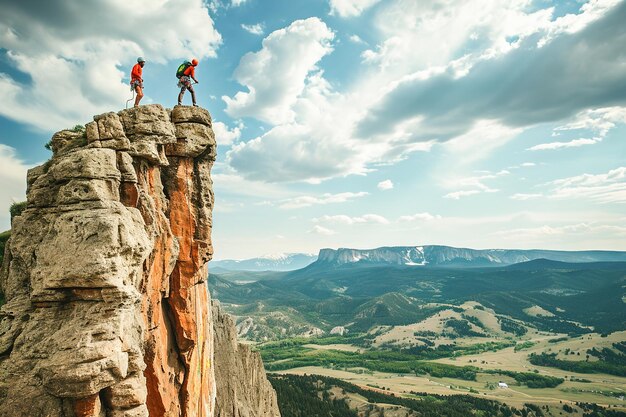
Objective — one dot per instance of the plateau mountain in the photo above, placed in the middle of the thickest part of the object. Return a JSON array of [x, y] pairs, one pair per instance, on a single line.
[[435, 255]]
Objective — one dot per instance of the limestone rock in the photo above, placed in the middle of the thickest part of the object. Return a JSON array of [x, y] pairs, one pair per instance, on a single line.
[[91, 131], [191, 114], [242, 387], [109, 126], [119, 144], [100, 235], [35, 173], [149, 151], [150, 123], [66, 140], [77, 190], [192, 140], [126, 168], [86, 163]]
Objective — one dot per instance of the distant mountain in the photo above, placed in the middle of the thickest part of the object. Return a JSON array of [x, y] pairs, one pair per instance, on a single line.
[[279, 262], [449, 256], [546, 264]]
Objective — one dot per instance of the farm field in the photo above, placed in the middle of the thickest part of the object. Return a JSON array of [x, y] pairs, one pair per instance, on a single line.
[[602, 389]]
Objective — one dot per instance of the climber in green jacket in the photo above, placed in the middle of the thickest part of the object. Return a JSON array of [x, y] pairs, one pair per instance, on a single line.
[[185, 73]]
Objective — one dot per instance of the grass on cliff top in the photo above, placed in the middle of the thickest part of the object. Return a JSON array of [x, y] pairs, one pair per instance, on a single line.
[[4, 236]]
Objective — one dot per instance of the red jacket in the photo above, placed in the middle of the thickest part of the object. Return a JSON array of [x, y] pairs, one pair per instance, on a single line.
[[136, 72]]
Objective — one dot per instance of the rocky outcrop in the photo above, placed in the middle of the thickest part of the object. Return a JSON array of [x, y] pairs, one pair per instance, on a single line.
[[107, 311], [242, 387]]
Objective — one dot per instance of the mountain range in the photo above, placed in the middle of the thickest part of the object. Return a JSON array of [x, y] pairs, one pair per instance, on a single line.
[[435, 255], [418, 256], [359, 290], [277, 262]]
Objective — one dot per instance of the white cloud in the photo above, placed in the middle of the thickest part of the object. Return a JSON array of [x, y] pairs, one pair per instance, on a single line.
[[600, 120], [317, 229], [277, 74], [327, 198], [443, 96], [578, 230], [350, 8], [256, 29], [476, 184], [524, 197], [602, 188], [290, 152], [237, 3], [575, 143], [311, 138], [385, 185], [343, 219], [421, 91], [225, 136], [420, 217], [13, 180], [61, 51], [571, 23], [523, 165], [457, 195], [417, 34], [227, 206], [357, 39], [480, 140], [228, 183]]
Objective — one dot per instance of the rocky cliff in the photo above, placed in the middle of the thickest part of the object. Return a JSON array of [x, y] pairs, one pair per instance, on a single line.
[[107, 311], [247, 393]]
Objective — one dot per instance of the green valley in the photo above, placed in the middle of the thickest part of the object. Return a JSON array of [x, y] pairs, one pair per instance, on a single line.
[[541, 334]]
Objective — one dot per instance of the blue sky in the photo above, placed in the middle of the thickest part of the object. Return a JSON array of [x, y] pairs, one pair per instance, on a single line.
[[353, 123]]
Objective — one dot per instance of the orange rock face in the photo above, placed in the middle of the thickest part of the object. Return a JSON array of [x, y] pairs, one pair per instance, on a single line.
[[177, 313], [88, 407]]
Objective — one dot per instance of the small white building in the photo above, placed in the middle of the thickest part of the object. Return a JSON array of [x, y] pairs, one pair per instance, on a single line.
[[502, 385]]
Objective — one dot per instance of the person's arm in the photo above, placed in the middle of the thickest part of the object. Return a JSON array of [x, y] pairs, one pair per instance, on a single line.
[[193, 74]]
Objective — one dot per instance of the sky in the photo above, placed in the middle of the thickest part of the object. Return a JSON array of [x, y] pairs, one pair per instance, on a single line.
[[352, 123]]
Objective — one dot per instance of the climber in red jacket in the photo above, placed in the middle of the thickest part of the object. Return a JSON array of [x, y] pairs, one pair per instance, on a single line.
[[136, 80], [184, 82]]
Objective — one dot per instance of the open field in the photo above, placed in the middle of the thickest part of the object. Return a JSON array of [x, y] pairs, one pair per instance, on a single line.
[[518, 361], [537, 311], [600, 389], [568, 392], [339, 347]]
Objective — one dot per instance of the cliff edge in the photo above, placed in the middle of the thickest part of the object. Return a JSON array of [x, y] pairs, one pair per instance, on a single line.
[[107, 311]]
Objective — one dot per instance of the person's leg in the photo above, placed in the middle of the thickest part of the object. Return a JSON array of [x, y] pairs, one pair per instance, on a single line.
[[139, 96], [193, 95], [180, 95]]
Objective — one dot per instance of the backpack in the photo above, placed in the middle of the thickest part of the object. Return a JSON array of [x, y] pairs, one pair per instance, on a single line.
[[182, 68]]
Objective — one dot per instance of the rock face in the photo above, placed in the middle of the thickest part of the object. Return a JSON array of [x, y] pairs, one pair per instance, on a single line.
[[107, 311], [242, 387]]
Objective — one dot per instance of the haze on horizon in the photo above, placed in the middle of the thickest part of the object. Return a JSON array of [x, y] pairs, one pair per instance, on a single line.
[[353, 123]]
